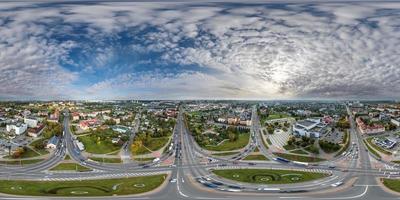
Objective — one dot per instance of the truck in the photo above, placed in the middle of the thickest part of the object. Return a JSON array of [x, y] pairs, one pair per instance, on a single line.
[[300, 163]]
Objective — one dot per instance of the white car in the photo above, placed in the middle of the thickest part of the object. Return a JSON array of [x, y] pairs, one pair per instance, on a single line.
[[173, 180], [337, 184]]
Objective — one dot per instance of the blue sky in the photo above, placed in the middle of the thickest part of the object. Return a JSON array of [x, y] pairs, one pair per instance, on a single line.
[[194, 50]]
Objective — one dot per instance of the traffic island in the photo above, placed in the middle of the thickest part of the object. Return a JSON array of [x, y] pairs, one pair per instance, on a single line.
[[104, 187], [268, 176]]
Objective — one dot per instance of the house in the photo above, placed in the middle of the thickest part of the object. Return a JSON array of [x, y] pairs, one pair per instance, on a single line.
[[90, 123], [35, 132], [369, 129], [75, 116], [19, 128], [395, 122], [52, 143], [54, 117], [31, 122]]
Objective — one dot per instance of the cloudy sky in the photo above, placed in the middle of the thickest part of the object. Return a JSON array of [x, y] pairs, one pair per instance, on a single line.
[[199, 50]]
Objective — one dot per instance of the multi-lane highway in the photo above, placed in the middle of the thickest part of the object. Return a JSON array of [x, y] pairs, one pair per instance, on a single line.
[[191, 177]]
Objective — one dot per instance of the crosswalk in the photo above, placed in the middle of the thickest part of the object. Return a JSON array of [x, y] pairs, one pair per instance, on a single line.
[[390, 167], [325, 171], [103, 176], [279, 139]]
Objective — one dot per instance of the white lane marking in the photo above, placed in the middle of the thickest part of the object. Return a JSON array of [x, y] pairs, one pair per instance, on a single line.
[[177, 186], [351, 197]]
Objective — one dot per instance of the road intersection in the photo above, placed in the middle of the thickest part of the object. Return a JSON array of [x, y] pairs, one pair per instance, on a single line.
[[191, 176]]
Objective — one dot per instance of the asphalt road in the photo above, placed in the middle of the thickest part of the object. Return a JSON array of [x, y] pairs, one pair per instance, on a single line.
[[192, 163]]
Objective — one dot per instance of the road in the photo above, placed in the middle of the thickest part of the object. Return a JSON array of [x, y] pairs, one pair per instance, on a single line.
[[192, 165]]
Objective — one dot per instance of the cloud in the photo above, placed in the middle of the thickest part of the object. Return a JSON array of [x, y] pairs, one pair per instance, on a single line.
[[200, 50]]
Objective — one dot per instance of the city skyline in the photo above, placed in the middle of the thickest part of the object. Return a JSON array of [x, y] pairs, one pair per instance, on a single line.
[[255, 51]]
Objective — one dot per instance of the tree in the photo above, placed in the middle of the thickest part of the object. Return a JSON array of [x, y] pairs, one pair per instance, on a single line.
[[136, 145]]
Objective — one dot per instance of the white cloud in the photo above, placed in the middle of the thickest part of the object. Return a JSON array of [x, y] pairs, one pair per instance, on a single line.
[[325, 50]]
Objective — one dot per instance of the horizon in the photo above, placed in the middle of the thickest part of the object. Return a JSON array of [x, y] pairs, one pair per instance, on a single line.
[[199, 50]]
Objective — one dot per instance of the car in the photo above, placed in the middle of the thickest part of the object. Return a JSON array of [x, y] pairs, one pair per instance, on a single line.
[[251, 163], [173, 180], [337, 184]]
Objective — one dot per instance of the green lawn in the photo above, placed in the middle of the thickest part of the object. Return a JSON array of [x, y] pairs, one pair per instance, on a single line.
[[141, 150], [384, 151], [241, 142], [97, 147], [299, 158], [70, 166], [277, 116], [157, 143], [23, 162], [371, 150], [299, 151], [289, 147], [106, 160], [144, 159], [255, 157], [226, 153], [267, 176], [28, 153], [393, 184], [106, 187]]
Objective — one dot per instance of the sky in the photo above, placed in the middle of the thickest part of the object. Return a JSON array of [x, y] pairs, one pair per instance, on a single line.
[[192, 50]]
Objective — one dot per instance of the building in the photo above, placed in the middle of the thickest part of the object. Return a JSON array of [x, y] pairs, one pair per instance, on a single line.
[[395, 122], [35, 132], [52, 143], [54, 117], [90, 123], [31, 122], [310, 127], [385, 142], [18, 128], [75, 116], [80, 145], [120, 129], [369, 129]]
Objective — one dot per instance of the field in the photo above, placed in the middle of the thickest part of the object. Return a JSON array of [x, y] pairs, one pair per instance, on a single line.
[[299, 151], [70, 166], [106, 160], [299, 158], [157, 143], [226, 153], [255, 157], [267, 176], [241, 142], [97, 147], [106, 187], [393, 184]]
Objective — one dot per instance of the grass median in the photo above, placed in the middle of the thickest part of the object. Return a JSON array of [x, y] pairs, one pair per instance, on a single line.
[[299, 158], [70, 166], [393, 184], [106, 187], [268, 176], [255, 157]]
